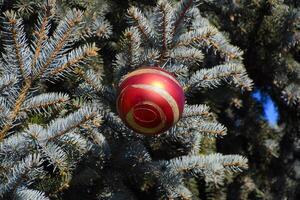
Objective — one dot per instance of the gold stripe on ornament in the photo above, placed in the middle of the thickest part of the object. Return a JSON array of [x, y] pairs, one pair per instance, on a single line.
[[164, 95], [150, 71], [131, 121]]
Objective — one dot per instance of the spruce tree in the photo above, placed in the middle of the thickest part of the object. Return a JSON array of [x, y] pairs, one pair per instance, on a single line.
[[60, 133]]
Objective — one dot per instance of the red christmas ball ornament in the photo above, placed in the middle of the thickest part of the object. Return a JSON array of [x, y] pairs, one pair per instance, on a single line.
[[150, 100]]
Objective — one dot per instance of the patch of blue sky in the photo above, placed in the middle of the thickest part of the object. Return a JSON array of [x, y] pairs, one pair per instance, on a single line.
[[270, 110]]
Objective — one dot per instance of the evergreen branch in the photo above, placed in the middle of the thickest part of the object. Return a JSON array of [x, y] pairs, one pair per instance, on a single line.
[[233, 73], [180, 70], [196, 145], [199, 21], [59, 40], [53, 48], [6, 82], [61, 126], [210, 37], [212, 129], [233, 162], [172, 185], [102, 28], [221, 44], [137, 154], [26, 170], [164, 29], [131, 44], [196, 36], [17, 107], [119, 65], [75, 141], [20, 54], [171, 189], [187, 55], [99, 139], [13, 148], [113, 122], [196, 124], [26, 194], [137, 19], [196, 110], [214, 163], [40, 36], [62, 64], [91, 78], [4, 110], [180, 13], [36, 134], [45, 102], [291, 94], [150, 57], [57, 158]]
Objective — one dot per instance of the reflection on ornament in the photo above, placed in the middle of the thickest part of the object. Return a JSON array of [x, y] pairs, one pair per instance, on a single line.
[[150, 100]]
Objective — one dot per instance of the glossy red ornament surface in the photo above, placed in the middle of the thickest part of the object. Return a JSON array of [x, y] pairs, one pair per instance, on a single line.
[[150, 100]]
